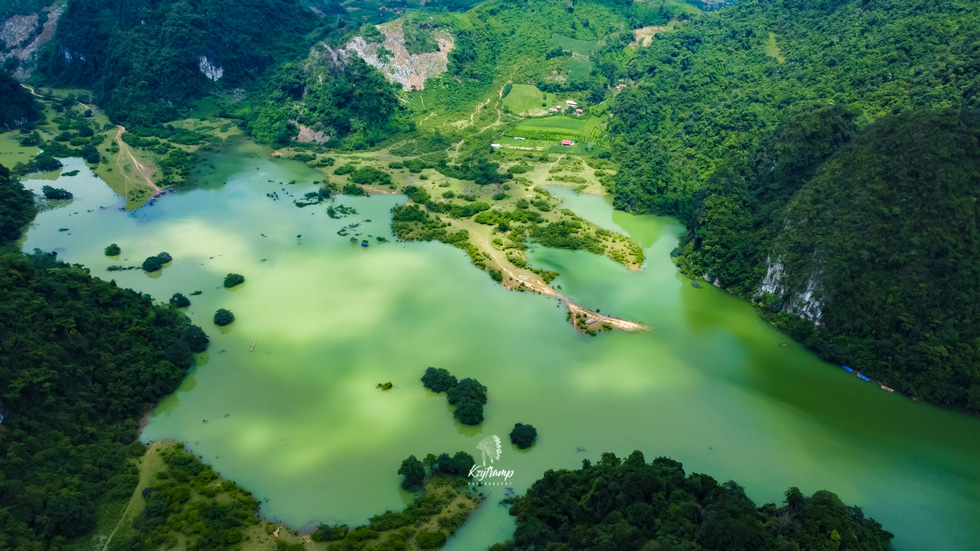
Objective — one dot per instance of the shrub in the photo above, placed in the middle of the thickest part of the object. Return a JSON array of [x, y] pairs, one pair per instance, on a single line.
[[56, 193], [154, 263], [195, 338], [232, 280], [523, 435], [180, 301], [353, 189], [112, 250], [223, 317], [438, 380], [430, 540]]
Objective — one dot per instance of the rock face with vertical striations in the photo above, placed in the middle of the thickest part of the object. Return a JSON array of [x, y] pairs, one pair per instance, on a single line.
[[409, 70]]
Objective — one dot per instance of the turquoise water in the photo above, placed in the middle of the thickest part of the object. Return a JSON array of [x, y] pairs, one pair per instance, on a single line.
[[299, 420]]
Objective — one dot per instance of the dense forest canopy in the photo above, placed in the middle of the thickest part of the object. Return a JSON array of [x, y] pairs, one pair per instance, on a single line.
[[17, 107], [629, 504], [17, 207], [709, 89], [80, 361], [146, 60]]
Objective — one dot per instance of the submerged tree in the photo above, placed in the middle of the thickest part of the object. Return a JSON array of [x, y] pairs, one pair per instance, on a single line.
[[232, 280], [413, 471], [180, 301], [223, 317], [523, 435]]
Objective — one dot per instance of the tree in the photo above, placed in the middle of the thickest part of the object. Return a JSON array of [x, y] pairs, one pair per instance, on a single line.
[[152, 264], [223, 317], [413, 471], [468, 390], [232, 280], [438, 380], [469, 412], [180, 301], [56, 193], [196, 338], [523, 435], [112, 250]]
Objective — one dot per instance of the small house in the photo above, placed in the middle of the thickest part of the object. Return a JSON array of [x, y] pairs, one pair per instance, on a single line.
[[571, 103], [496, 145], [621, 86], [567, 143], [579, 112]]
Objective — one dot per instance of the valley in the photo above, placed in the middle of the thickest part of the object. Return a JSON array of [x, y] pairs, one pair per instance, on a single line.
[[646, 226]]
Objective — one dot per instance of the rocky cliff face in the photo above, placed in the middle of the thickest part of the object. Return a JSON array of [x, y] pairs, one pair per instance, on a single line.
[[395, 63], [802, 302]]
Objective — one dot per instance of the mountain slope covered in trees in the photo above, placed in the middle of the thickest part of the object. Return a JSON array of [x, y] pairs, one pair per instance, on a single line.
[[707, 91], [878, 244], [80, 361], [146, 60], [823, 154]]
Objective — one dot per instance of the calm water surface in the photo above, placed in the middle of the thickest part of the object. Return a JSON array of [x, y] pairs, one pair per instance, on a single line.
[[299, 420]]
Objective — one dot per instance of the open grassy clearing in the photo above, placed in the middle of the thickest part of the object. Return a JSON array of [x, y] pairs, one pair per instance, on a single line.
[[772, 49], [580, 47], [527, 99], [579, 69]]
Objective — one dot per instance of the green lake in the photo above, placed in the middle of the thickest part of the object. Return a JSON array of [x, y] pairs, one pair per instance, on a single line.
[[298, 420]]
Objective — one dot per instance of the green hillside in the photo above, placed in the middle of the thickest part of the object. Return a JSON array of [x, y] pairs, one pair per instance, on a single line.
[[146, 61], [708, 90]]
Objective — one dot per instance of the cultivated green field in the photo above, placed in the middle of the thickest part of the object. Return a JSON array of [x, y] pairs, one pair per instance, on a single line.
[[547, 132]]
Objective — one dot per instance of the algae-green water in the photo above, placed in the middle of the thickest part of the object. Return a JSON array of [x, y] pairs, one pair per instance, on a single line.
[[285, 401]]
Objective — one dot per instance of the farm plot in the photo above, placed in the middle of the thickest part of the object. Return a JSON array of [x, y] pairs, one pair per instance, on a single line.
[[557, 127]]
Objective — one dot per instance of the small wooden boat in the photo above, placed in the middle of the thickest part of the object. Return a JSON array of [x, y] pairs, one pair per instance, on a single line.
[[253, 347]]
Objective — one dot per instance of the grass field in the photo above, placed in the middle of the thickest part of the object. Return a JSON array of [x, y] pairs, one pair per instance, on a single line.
[[580, 47], [527, 99], [557, 128], [579, 69]]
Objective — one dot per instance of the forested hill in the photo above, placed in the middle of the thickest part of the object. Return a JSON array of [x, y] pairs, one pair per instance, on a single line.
[[708, 90], [878, 244], [17, 107], [629, 504], [802, 144], [145, 60]]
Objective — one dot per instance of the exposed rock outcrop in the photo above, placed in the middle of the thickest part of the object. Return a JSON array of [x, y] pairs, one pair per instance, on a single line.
[[16, 32], [409, 70], [209, 69]]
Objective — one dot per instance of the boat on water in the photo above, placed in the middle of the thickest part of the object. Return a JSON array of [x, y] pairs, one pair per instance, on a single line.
[[253, 346]]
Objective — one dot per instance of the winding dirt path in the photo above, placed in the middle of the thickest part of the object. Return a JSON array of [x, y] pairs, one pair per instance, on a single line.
[[142, 170], [132, 500]]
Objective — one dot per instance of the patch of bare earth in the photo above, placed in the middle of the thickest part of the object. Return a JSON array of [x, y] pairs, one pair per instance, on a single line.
[[644, 35], [17, 29], [409, 70], [307, 135]]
